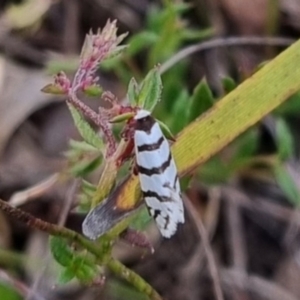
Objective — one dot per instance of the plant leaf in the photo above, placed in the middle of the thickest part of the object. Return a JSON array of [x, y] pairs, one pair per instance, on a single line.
[[60, 250], [82, 145], [85, 166], [94, 90], [141, 41], [8, 293], [121, 118], [201, 100], [84, 128], [133, 92], [284, 139], [150, 91], [66, 276], [166, 131], [287, 184], [228, 84], [53, 89]]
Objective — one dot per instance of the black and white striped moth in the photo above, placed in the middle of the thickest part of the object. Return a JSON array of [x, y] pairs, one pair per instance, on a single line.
[[158, 179], [157, 174]]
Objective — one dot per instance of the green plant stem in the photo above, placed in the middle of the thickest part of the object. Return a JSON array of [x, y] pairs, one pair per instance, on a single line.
[[11, 259], [115, 266]]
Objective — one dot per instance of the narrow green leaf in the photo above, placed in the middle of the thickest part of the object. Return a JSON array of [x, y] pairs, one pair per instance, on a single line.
[[287, 184], [290, 107], [214, 171], [82, 145], [121, 118], [84, 128], [133, 92], [195, 34], [141, 41], [201, 100], [179, 108], [88, 187], [94, 90], [84, 269], [150, 91], [246, 144], [228, 84], [185, 182], [53, 89], [66, 276], [284, 139], [85, 167], [166, 131], [60, 250]]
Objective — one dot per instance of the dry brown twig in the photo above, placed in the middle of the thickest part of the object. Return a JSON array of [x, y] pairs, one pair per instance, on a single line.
[[212, 266]]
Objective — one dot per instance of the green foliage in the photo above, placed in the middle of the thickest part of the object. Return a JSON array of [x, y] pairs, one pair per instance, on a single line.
[[228, 84], [53, 89], [286, 184], [141, 41], [85, 166], [84, 128], [8, 293], [94, 90], [61, 251], [290, 107], [201, 100], [150, 91], [284, 139], [85, 196], [166, 130], [179, 109], [83, 158], [76, 264], [133, 92]]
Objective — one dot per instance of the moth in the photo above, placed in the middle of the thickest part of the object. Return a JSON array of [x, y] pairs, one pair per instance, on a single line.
[[157, 174], [158, 179]]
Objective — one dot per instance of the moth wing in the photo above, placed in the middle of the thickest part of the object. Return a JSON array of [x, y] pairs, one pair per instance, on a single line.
[[167, 213], [99, 220], [104, 217]]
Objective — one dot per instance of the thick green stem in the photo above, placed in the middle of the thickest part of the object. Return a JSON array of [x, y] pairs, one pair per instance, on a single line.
[[138, 282]]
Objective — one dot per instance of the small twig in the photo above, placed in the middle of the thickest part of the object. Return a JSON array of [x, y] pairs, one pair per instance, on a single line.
[[95, 248], [33, 192], [208, 250], [236, 237], [237, 244], [224, 42]]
